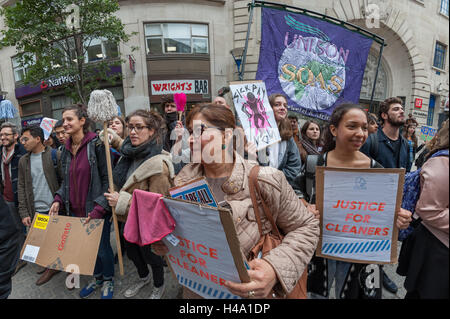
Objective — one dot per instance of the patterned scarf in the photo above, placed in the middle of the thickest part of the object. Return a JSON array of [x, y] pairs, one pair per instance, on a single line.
[[310, 148]]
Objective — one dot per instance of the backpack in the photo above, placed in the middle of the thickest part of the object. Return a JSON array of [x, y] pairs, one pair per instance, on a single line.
[[411, 194], [55, 164]]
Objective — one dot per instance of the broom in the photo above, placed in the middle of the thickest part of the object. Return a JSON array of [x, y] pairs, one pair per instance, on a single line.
[[102, 107]]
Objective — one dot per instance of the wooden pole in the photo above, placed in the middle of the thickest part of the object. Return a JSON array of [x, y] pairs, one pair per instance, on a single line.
[[111, 190]]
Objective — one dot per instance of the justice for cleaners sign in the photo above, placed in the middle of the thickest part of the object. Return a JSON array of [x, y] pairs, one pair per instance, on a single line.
[[358, 212]]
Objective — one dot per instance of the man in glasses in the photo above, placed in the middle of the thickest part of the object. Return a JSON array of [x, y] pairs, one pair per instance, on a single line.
[[60, 133], [11, 152]]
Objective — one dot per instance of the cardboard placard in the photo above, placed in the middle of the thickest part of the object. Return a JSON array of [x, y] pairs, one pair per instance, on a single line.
[[252, 106], [208, 251], [358, 213], [197, 190], [61, 242]]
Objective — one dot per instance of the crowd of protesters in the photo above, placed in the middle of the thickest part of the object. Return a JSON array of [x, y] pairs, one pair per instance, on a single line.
[[67, 174]]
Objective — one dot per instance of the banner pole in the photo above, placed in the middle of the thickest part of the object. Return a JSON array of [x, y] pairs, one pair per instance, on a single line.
[[376, 77], [244, 54]]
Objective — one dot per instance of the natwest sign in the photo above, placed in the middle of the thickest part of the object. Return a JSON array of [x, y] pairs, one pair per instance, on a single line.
[[179, 86], [63, 79]]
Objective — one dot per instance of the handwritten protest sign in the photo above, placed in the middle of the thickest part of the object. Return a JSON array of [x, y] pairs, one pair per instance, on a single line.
[[47, 126], [255, 113], [196, 191], [427, 133], [208, 251], [358, 212]]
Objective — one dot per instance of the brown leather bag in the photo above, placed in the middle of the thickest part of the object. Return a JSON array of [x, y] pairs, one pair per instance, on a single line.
[[272, 239]]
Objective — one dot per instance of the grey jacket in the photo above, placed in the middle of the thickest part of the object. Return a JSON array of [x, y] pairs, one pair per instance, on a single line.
[[25, 182]]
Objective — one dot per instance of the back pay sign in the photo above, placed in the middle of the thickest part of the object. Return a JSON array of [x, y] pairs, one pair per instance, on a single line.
[[359, 211]]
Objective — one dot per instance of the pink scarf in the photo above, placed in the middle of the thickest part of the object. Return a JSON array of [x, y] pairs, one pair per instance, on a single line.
[[148, 219]]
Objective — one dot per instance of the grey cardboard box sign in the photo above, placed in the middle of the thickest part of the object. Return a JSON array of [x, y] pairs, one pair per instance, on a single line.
[[63, 243]]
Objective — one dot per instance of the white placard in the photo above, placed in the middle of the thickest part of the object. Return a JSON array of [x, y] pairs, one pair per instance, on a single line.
[[255, 113], [202, 260], [358, 215]]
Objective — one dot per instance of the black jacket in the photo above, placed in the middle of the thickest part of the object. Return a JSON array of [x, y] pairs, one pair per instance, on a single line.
[[9, 249]]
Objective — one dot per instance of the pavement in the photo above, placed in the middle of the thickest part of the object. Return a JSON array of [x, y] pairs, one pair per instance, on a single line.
[[23, 283]]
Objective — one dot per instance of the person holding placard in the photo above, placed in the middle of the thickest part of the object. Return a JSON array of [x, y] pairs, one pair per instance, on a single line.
[[83, 164], [143, 165], [344, 136], [211, 127]]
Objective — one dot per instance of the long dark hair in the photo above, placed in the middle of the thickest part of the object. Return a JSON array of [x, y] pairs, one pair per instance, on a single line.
[[305, 128], [153, 120], [80, 111], [413, 136], [336, 117]]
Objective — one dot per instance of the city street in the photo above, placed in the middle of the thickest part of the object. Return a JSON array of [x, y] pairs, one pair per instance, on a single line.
[[24, 284]]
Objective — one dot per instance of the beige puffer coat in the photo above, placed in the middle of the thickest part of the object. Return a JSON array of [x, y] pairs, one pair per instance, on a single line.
[[300, 227]]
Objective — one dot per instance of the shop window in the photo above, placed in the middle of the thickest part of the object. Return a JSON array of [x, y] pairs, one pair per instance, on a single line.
[[30, 108], [444, 7], [176, 38], [439, 56]]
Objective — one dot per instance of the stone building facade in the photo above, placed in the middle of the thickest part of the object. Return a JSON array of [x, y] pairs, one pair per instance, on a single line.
[[412, 30]]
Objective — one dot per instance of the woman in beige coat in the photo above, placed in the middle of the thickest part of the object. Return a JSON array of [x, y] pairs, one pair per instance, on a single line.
[[228, 173], [145, 166]]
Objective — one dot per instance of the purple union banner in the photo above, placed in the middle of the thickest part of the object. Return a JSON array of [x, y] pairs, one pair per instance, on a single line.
[[316, 64]]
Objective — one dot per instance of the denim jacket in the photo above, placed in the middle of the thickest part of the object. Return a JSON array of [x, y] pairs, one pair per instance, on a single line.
[[99, 177]]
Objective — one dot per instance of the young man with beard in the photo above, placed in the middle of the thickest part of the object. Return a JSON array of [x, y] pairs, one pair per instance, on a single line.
[[389, 148], [38, 181], [11, 152], [392, 147]]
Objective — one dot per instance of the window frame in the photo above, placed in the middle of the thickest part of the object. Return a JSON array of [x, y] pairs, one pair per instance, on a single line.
[[441, 6], [20, 66], [29, 102], [443, 56], [162, 38]]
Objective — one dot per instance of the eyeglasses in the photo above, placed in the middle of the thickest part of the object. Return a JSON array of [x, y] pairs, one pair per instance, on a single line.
[[137, 128], [23, 140], [6, 134], [204, 127]]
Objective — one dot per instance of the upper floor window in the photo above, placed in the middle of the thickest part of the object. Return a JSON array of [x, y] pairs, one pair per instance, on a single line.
[[20, 68], [100, 49], [182, 38], [444, 7], [439, 56]]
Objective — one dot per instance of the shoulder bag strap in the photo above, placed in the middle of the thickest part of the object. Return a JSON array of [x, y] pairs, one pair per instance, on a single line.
[[254, 174], [252, 180]]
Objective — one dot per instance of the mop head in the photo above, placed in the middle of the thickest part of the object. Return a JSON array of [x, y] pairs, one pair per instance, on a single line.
[[102, 106]]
